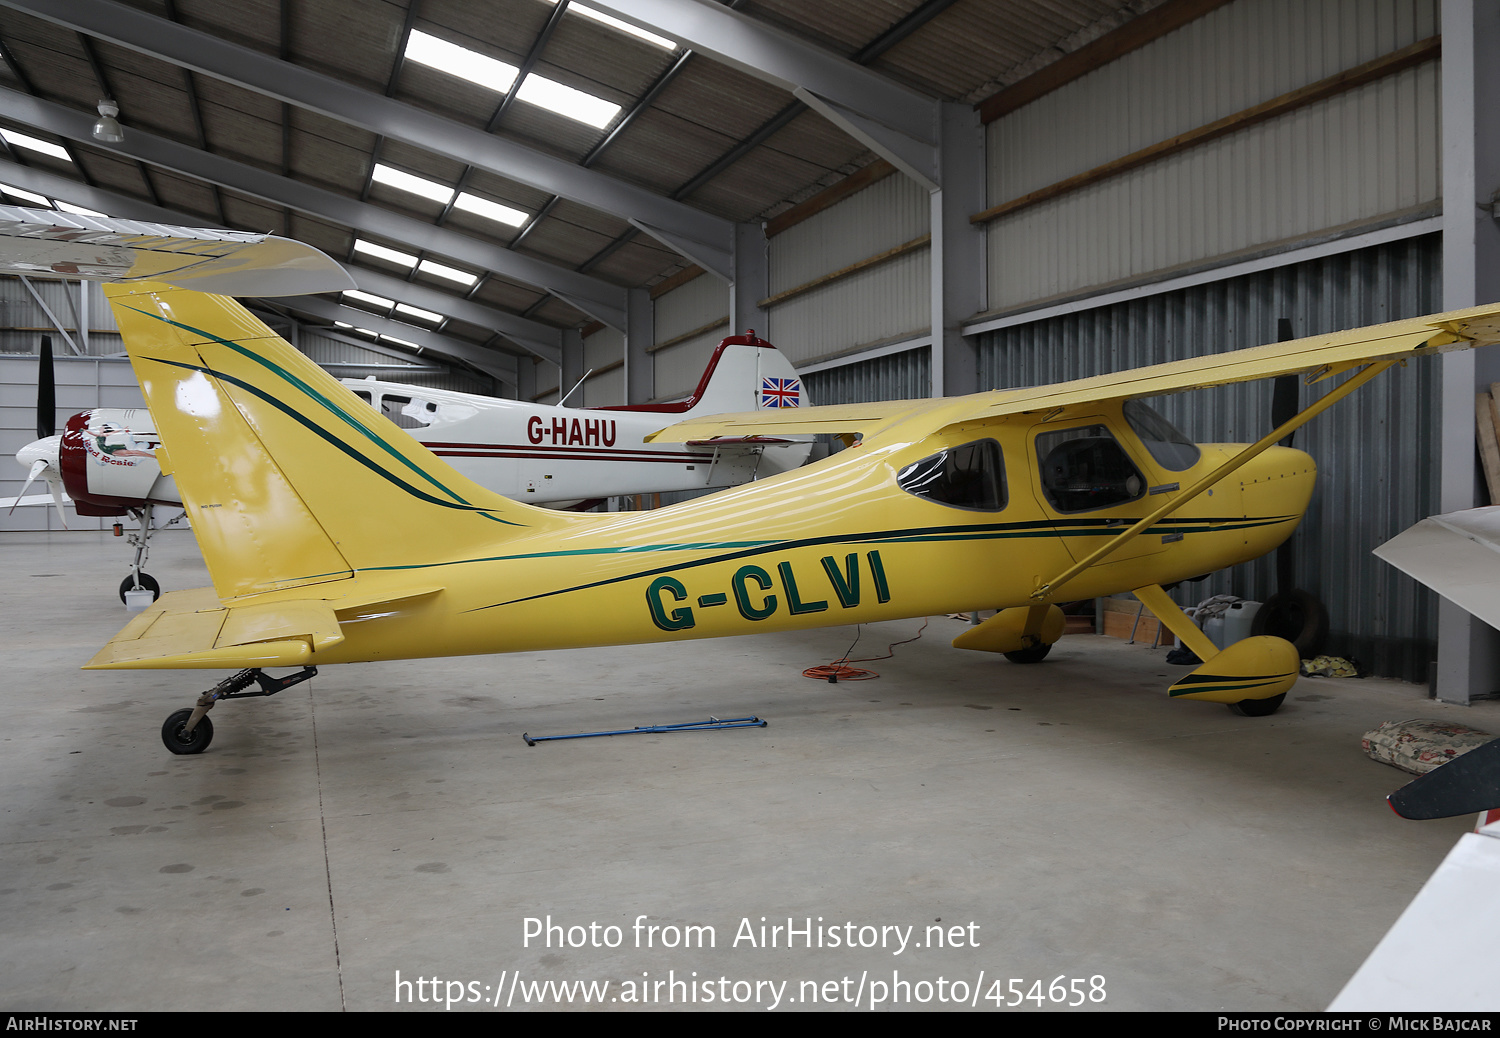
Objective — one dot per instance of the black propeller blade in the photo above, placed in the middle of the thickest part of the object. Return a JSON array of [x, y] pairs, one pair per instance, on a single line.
[[1285, 392], [1465, 785], [46, 392]]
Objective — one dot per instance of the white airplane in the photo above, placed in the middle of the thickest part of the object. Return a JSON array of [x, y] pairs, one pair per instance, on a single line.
[[104, 462]]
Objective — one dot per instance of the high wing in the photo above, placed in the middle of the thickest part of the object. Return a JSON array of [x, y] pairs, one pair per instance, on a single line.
[[1317, 357], [43, 243]]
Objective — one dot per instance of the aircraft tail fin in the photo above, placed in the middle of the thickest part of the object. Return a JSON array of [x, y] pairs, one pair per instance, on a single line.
[[745, 373], [289, 479]]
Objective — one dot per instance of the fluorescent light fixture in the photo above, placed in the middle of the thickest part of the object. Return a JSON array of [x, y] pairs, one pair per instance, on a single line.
[[442, 270], [69, 207], [401, 342], [461, 62], [396, 256], [342, 324], [500, 77], [564, 100], [410, 182], [490, 210], [369, 298], [420, 314], [34, 199], [25, 140], [625, 27]]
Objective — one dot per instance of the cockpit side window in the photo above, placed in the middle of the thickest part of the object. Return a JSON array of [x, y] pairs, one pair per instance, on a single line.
[[1168, 445], [970, 476], [1086, 468], [407, 412]]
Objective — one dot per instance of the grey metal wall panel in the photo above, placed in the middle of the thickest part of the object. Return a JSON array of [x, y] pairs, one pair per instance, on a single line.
[[689, 306], [899, 376], [1351, 158], [601, 350], [879, 305], [22, 320], [889, 212], [679, 368], [1377, 452]]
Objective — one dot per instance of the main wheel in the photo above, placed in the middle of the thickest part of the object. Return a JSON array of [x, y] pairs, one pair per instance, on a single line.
[[1257, 707], [147, 581], [1296, 616], [1035, 654], [197, 741]]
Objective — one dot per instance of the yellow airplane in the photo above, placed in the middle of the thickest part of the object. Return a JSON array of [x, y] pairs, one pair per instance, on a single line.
[[332, 536]]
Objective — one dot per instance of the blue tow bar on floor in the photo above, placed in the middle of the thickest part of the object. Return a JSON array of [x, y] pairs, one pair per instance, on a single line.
[[712, 724]]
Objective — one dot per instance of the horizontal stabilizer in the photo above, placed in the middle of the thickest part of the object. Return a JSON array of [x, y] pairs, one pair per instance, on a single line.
[[1467, 784], [193, 629], [44, 243], [745, 425]]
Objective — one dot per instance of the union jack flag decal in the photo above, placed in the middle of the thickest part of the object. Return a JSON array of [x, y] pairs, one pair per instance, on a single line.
[[780, 392]]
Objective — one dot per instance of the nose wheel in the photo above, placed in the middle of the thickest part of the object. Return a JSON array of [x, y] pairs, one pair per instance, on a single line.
[[145, 582]]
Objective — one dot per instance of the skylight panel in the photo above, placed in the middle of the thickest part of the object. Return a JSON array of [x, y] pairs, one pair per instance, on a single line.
[[369, 298], [396, 256], [491, 210], [420, 314], [461, 62], [564, 100], [442, 270], [410, 182], [77, 210], [401, 342], [34, 199], [625, 27], [25, 140]]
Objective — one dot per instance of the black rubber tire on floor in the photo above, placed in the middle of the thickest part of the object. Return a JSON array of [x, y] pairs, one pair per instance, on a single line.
[[1296, 616], [1257, 707], [1035, 654], [173, 739], [147, 581]]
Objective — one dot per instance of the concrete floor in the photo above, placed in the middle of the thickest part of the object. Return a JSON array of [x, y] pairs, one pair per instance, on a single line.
[[1063, 820]]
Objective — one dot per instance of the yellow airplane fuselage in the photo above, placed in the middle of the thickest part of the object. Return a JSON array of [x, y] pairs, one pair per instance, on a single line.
[[333, 537], [836, 543]]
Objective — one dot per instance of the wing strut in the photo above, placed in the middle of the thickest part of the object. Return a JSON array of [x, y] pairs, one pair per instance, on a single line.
[[1048, 589]]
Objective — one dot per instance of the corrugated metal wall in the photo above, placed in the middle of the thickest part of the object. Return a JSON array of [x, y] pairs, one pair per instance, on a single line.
[[701, 301], [604, 349], [900, 376], [878, 305], [1351, 158], [1377, 452]]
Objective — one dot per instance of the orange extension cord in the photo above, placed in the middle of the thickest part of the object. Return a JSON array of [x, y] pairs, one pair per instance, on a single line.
[[837, 671]]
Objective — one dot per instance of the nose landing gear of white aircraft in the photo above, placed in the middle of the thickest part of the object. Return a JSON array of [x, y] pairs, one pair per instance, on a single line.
[[141, 541], [190, 731]]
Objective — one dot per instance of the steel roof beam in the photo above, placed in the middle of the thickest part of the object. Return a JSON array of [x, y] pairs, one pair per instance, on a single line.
[[899, 123], [498, 365], [599, 299], [285, 81]]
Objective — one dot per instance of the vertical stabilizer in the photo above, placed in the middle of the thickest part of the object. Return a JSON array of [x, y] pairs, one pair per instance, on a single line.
[[288, 478]]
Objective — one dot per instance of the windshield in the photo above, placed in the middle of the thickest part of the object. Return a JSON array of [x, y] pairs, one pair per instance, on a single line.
[[1167, 444]]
